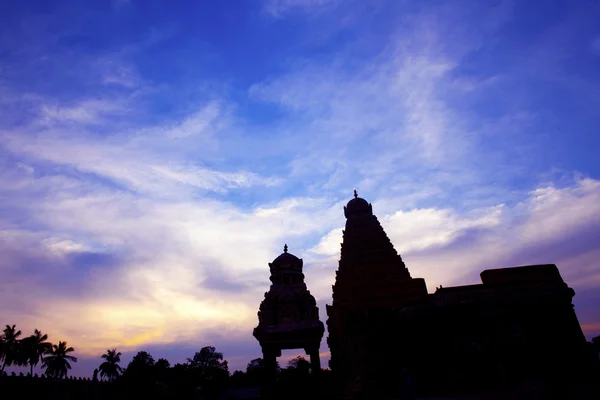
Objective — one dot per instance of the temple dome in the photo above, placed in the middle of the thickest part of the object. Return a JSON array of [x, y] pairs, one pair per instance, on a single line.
[[358, 206], [286, 262], [284, 259]]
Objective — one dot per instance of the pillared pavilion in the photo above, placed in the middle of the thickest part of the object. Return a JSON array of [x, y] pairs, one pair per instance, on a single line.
[[288, 317]]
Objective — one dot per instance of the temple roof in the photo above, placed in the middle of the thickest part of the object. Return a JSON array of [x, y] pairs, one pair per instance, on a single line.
[[285, 258], [358, 206], [286, 262]]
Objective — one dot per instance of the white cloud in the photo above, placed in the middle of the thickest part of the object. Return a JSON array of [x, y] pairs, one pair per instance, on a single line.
[[541, 229], [553, 211], [197, 123], [88, 111], [427, 116], [60, 247], [424, 228], [388, 120], [131, 162], [170, 250], [118, 73]]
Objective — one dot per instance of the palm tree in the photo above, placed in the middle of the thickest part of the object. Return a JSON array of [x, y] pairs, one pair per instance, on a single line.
[[111, 368], [10, 346], [34, 347], [57, 360]]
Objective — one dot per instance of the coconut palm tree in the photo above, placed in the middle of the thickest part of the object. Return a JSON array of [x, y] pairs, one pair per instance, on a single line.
[[111, 368], [10, 346], [57, 361], [34, 347]]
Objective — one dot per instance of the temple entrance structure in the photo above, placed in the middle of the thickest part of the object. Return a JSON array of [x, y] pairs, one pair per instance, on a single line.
[[288, 317]]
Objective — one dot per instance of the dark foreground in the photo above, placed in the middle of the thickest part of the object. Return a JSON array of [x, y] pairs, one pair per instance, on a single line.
[[75, 389]]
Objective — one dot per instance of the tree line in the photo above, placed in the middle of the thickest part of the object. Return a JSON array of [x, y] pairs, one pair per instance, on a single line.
[[206, 370], [16, 350]]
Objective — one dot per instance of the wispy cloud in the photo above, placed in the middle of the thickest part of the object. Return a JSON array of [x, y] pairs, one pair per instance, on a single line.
[[382, 121], [114, 71], [175, 266], [198, 123], [87, 112]]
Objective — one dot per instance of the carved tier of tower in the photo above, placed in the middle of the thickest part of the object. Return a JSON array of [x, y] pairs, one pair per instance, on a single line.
[[288, 317]]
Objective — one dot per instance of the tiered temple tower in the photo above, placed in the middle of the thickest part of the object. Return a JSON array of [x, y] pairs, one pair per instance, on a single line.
[[371, 283], [288, 317]]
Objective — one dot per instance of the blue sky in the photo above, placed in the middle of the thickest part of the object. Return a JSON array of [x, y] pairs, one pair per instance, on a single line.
[[155, 156]]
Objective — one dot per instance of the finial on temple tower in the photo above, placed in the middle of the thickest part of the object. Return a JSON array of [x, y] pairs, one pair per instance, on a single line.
[[355, 194], [285, 248]]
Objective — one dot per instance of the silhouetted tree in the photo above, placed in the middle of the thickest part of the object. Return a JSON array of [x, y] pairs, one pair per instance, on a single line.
[[210, 370], [34, 348], [255, 370], [57, 361], [300, 364], [111, 368], [140, 369], [162, 367], [163, 363], [238, 378], [255, 365], [182, 375], [142, 358], [210, 362], [11, 349]]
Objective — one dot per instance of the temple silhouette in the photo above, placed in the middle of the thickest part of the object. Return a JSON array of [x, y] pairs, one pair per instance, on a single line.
[[288, 316], [383, 325]]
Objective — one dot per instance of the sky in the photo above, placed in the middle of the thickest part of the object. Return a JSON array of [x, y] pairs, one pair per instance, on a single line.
[[155, 156]]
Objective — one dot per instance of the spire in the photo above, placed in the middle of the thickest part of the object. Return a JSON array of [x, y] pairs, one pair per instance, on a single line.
[[367, 253], [357, 206], [286, 264]]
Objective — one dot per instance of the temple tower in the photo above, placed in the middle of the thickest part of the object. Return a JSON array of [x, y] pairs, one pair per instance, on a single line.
[[288, 317], [371, 283], [383, 324]]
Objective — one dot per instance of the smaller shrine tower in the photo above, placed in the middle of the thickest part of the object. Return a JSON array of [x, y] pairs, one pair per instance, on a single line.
[[288, 317]]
